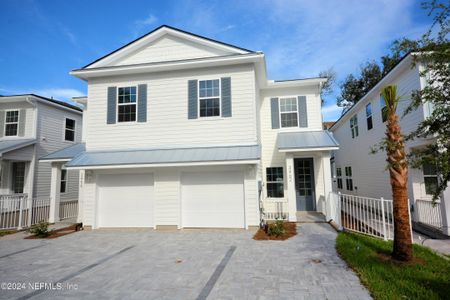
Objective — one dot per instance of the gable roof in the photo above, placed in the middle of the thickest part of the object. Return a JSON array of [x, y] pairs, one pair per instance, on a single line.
[[166, 29], [54, 101]]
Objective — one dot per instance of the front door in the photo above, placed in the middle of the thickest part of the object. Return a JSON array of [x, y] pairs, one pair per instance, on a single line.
[[304, 184], [18, 177]]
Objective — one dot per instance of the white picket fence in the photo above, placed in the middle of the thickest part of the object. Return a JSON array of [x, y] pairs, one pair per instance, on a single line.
[[17, 211], [428, 213], [68, 209], [278, 210]]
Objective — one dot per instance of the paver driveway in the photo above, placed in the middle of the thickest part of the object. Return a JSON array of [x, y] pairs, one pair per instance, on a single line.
[[187, 264]]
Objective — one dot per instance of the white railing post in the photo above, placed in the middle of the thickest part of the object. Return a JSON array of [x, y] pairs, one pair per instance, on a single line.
[[383, 219], [30, 211], [410, 223], [339, 211], [21, 200]]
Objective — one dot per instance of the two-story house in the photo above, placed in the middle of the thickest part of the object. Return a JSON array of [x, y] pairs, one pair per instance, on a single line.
[[358, 172], [33, 126], [185, 131]]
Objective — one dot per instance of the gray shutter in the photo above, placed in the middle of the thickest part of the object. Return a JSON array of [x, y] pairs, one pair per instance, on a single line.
[[142, 103], [192, 99], [2, 122], [111, 110], [226, 96], [275, 113], [22, 119], [302, 112]]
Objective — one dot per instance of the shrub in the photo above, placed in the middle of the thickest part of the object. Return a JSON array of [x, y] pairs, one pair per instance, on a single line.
[[276, 229], [40, 229]]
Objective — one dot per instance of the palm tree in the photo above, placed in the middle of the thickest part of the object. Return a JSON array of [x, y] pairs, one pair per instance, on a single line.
[[398, 171]]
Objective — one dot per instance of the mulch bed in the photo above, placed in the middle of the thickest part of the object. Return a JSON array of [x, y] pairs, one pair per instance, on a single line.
[[58, 232], [290, 230], [387, 258]]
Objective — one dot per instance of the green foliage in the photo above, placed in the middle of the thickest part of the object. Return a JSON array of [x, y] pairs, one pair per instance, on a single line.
[[435, 57], [354, 88], [327, 87], [40, 229], [276, 229], [429, 278], [6, 232]]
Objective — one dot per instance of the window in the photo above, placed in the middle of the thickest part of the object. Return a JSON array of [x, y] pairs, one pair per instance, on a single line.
[[288, 112], [18, 178], [369, 116], [430, 178], [69, 132], [11, 122], [348, 179], [209, 98], [63, 185], [383, 108], [275, 183], [339, 178], [354, 126], [126, 104]]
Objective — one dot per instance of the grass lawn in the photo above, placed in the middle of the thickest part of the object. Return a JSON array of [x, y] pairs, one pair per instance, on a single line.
[[428, 277], [5, 232]]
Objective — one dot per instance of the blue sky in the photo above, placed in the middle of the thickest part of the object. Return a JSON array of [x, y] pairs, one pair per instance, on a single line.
[[41, 41]]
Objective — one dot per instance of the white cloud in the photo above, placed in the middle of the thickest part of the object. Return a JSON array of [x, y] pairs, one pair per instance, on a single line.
[[147, 21]]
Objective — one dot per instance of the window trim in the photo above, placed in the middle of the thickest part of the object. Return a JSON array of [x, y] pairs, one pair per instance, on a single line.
[[6, 123], [74, 130], [352, 127], [349, 178], [202, 98], [428, 176], [66, 180], [282, 182], [339, 178], [289, 112], [123, 104], [369, 117]]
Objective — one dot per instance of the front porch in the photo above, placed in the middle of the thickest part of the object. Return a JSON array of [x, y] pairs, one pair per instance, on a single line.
[[307, 181]]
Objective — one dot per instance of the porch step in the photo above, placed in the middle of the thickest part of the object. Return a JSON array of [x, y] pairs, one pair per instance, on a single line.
[[429, 231], [310, 217]]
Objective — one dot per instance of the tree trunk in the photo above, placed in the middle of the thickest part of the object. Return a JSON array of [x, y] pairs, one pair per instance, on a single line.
[[398, 171]]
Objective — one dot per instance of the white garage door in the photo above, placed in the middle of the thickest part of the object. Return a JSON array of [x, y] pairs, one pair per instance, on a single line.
[[125, 200], [213, 200]]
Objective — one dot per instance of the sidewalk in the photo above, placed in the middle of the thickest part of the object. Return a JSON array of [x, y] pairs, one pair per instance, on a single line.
[[442, 246]]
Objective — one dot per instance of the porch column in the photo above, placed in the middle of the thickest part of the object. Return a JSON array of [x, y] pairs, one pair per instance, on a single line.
[[445, 211], [327, 181], [55, 192], [292, 202]]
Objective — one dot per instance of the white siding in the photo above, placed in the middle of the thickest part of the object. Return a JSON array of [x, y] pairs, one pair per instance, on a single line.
[[369, 171], [169, 48], [167, 122], [270, 156], [51, 124]]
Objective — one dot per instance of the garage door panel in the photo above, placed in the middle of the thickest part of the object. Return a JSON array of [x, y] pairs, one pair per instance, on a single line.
[[213, 199], [125, 200]]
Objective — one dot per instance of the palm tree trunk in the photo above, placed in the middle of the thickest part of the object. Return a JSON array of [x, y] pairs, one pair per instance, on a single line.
[[398, 170]]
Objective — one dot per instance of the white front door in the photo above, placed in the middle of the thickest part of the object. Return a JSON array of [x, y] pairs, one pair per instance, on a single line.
[[213, 199], [125, 200]]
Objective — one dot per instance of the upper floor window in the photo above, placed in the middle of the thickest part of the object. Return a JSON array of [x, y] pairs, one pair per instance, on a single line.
[[69, 132], [383, 108], [209, 98], [430, 178], [348, 179], [275, 182], [126, 104], [369, 116], [288, 112], [339, 178], [354, 126], [11, 122]]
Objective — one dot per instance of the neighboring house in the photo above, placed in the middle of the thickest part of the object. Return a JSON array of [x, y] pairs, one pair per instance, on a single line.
[[32, 126], [327, 125], [358, 172], [184, 131]]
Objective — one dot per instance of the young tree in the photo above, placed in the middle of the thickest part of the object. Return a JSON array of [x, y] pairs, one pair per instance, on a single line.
[[394, 146]]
